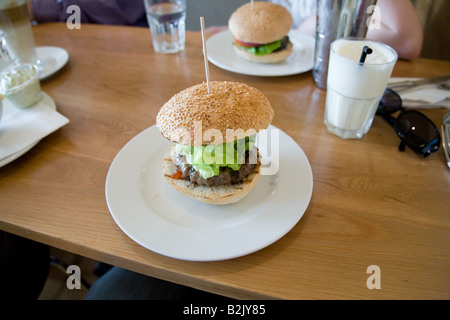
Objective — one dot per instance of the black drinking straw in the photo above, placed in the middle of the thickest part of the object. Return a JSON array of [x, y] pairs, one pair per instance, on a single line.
[[365, 51]]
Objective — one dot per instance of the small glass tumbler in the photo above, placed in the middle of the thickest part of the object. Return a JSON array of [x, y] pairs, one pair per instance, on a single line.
[[166, 19]]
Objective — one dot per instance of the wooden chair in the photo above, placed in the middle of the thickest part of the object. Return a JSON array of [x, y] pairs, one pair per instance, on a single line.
[[433, 15]]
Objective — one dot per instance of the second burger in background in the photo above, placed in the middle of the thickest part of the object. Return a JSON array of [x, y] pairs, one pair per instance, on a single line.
[[260, 32]]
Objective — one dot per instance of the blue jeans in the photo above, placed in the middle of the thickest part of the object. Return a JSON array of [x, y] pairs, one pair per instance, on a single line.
[[122, 284]]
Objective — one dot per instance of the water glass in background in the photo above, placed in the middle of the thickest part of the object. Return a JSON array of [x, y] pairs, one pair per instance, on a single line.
[[354, 87], [15, 26], [337, 19], [1, 108], [166, 19], [5, 57]]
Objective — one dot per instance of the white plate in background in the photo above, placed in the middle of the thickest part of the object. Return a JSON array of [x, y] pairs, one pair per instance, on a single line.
[[221, 53], [54, 59]]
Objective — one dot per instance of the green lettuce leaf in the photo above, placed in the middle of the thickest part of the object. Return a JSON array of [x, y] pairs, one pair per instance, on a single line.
[[262, 50], [208, 160]]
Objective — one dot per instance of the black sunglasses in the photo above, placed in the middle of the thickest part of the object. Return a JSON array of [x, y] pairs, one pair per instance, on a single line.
[[414, 128]]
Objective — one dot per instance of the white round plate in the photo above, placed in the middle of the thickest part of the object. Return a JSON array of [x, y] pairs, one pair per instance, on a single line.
[[165, 221], [48, 101], [221, 53], [54, 59]]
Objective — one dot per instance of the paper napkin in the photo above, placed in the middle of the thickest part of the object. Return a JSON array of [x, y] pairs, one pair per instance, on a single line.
[[19, 128], [426, 97]]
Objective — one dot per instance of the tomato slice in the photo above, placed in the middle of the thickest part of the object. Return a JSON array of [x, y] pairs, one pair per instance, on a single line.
[[177, 175], [247, 44]]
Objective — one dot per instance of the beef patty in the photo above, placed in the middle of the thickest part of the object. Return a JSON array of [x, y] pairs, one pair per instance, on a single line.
[[226, 174]]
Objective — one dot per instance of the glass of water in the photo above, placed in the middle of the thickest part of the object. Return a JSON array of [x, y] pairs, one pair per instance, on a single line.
[[166, 19], [17, 33]]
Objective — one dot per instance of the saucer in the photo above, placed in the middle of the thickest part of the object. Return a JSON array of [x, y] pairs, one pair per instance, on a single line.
[[54, 59]]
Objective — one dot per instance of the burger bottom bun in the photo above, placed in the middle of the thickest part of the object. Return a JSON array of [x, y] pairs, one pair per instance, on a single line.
[[218, 195], [273, 57]]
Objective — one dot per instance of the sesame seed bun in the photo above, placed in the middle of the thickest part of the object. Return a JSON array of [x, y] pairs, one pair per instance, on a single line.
[[230, 107], [266, 22], [231, 111], [218, 195]]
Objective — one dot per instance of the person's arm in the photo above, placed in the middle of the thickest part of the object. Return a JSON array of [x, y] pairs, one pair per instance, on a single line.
[[400, 28], [308, 26]]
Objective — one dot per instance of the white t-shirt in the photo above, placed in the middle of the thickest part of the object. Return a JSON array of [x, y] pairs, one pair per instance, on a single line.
[[300, 9]]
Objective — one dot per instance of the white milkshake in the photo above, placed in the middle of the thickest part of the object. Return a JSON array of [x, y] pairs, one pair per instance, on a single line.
[[354, 89]]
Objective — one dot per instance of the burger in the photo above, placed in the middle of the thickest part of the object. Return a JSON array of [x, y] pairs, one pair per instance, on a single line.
[[260, 33], [213, 157]]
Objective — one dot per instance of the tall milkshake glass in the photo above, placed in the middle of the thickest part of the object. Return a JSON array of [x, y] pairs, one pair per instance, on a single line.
[[355, 87]]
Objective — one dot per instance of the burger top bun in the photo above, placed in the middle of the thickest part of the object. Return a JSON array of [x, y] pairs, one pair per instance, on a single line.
[[266, 22], [232, 106]]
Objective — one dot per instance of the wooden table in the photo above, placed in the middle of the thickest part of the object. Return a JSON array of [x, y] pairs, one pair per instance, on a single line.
[[371, 204]]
